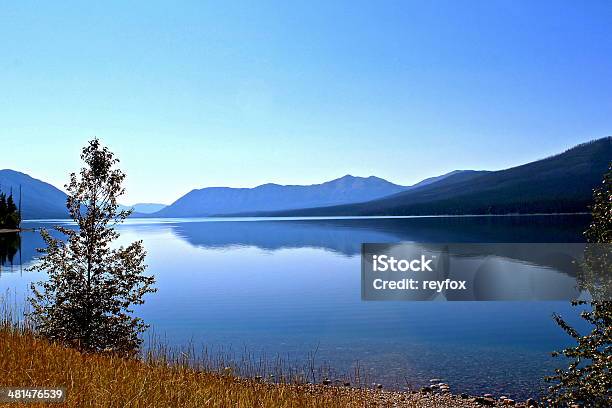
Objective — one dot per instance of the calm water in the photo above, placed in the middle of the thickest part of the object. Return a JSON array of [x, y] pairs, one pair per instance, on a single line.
[[292, 286]]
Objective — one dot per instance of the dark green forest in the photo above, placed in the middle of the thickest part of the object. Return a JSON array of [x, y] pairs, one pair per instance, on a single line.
[[562, 183], [9, 213]]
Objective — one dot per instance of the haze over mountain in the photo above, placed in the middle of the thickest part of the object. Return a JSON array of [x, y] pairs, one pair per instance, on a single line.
[[272, 197], [561, 183], [38, 199], [144, 208]]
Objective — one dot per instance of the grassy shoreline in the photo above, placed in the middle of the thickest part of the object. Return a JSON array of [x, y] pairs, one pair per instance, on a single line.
[[104, 380]]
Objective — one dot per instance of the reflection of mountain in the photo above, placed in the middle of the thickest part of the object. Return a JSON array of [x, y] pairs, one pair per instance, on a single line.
[[346, 235], [498, 271], [274, 235]]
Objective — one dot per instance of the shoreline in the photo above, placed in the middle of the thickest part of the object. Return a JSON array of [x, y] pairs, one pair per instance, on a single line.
[[91, 379], [314, 218], [15, 230], [439, 397]]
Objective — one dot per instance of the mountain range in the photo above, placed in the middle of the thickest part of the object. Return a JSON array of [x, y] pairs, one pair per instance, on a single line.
[[561, 183], [557, 184], [213, 201], [41, 200]]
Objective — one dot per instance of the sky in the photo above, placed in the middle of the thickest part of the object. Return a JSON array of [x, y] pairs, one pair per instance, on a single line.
[[197, 94]]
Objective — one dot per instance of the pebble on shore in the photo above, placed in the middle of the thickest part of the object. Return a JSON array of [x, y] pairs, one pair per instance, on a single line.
[[376, 397], [437, 394]]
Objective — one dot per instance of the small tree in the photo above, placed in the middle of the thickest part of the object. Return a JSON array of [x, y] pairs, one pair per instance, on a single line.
[[9, 214], [588, 379], [3, 210], [86, 301], [13, 218]]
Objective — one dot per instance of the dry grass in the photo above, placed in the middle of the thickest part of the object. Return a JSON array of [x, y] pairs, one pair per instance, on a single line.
[[96, 380], [107, 381], [166, 379], [161, 379]]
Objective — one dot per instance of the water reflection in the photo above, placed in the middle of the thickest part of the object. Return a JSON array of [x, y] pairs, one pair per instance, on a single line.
[[346, 235], [343, 236], [10, 244], [289, 286]]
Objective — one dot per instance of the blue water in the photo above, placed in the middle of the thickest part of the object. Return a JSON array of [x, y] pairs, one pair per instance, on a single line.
[[291, 287]]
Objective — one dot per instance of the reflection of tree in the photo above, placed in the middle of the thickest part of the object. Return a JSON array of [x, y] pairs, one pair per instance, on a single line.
[[595, 274], [9, 246], [588, 378]]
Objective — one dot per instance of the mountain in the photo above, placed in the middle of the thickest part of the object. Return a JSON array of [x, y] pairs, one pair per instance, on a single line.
[[42, 200], [38, 199], [561, 183], [273, 197], [148, 208], [431, 180]]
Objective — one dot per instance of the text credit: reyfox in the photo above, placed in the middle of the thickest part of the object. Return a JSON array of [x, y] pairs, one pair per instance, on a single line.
[[385, 263]]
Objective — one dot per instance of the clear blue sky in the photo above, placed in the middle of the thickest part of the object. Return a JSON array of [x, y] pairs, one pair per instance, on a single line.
[[195, 94]]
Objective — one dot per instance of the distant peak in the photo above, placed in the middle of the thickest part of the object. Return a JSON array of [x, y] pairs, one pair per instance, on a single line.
[[351, 177], [268, 185], [11, 171]]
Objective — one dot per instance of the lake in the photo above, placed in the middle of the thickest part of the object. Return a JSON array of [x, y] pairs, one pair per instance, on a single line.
[[291, 288]]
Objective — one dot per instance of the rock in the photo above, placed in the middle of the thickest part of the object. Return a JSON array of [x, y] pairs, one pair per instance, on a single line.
[[379, 386], [488, 401], [426, 389], [488, 396], [435, 380], [326, 381], [484, 401], [509, 401], [258, 378], [531, 402], [464, 396], [347, 383]]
